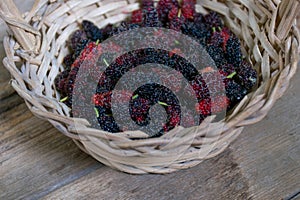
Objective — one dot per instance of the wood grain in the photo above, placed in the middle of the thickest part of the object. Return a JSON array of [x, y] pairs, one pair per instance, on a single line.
[[218, 178], [37, 162]]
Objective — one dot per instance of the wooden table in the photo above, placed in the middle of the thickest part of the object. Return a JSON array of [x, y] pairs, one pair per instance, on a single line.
[[39, 162]]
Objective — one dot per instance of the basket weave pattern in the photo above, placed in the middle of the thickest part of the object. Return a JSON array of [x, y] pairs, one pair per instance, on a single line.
[[36, 49]]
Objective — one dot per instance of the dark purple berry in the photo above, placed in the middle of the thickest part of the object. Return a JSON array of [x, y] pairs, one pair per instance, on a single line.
[[77, 38], [68, 61], [247, 75], [163, 9], [106, 31], [235, 92], [150, 15], [217, 54], [199, 18], [60, 81], [176, 23], [213, 19], [216, 39], [233, 52], [123, 27], [197, 31], [92, 31]]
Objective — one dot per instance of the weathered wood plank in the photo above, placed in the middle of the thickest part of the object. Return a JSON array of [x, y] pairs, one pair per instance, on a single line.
[[4, 75], [218, 178], [35, 158]]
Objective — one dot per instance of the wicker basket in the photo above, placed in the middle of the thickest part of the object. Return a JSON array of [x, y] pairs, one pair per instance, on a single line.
[[36, 48]]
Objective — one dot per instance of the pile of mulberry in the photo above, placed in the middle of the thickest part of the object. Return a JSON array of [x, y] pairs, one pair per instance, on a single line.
[[233, 72]]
